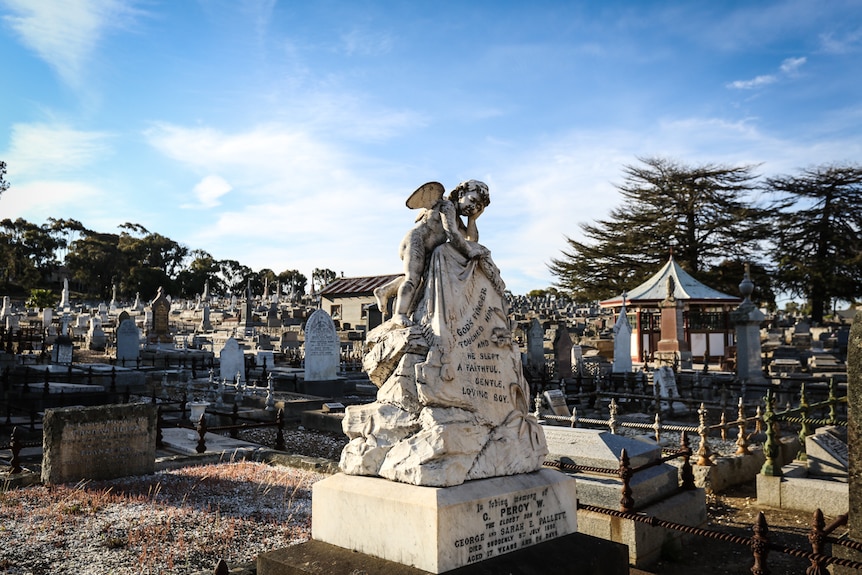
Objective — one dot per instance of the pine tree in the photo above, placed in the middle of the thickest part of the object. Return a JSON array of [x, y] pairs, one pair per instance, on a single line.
[[819, 239], [705, 213]]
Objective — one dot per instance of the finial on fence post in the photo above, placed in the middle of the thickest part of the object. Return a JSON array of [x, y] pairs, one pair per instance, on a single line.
[[760, 546], [627, 503], [657, 427], [202, 431], [703, 451], [770, 446], [612, 420], [817, 537]]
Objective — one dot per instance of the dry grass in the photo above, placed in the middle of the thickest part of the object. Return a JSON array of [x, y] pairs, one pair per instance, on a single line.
[[179, 521]]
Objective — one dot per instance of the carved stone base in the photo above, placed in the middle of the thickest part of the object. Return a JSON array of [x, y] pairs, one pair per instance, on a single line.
[[439, 529]]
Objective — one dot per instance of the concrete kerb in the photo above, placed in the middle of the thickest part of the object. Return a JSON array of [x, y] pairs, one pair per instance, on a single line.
[[737, 469], [800, 493]]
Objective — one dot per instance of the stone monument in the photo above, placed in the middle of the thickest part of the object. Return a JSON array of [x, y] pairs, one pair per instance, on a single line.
[[322, 348], [444, 469], [161, 309], [100, 442], [747, 319], [128, 341], [622, 342]]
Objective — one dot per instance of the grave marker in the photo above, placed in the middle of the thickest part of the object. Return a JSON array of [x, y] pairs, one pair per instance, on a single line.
[[322, 348], [100, 442], [128, 341]]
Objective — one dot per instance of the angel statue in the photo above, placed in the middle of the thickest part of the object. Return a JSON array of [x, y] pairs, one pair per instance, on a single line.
[[439, 221]]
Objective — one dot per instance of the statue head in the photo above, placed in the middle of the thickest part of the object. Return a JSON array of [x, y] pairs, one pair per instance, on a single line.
[[480, 188]]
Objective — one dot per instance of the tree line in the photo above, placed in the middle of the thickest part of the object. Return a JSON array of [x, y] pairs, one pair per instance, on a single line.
[[800, 233], [35, 257]]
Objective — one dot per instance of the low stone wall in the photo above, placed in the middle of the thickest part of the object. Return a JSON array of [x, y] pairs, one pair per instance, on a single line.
[[737, 469]]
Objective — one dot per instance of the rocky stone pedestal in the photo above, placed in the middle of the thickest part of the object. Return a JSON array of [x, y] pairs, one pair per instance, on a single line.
[[437, 529]]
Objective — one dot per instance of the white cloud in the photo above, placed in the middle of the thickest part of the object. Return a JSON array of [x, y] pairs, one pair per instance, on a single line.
[[64, 33], [753, 83], [788, 67], [792, 65], [209, 190], [39, 149]]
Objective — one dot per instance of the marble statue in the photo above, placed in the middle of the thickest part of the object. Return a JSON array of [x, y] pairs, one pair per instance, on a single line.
[[452, 403]]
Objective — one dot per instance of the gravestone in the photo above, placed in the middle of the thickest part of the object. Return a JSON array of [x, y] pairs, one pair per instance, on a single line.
[[6, 310], [747, 319], [128, 341], [556, 401], [622, 342], [103, 442], [231, 361], [562, 353], [206, 324], [161, 310], [672, 344], [62, 350], [64, 297], [536, 345], [322, 348], [827, 452], [96, 338], [577, 360], [665, 378]]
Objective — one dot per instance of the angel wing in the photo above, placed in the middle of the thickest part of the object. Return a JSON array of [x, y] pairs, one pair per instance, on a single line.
[[426, 196]]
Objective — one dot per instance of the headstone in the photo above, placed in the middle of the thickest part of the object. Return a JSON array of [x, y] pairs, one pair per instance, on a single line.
[[96, 338], [536, 344], [577, 360], [47, 318], [64, 298], [672, 342], [206, 324], [231, 361], [562, 353], [322, 348], [103, 442], [747, 319], [62, 351], [114, 303], [161, 309], [6, 310], [665, 379], [128, 341], [622, 342], [827, 453], [556, 400]]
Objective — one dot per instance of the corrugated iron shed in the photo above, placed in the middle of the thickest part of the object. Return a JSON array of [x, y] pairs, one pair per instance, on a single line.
[[356, 286]]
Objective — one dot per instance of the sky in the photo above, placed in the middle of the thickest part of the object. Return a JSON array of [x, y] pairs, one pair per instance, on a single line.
[[289, 134]]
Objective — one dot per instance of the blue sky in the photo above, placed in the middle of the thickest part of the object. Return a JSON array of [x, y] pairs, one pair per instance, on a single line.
[[288, 135]]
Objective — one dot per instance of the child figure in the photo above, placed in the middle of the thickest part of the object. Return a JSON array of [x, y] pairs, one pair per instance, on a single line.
[[439, 220]]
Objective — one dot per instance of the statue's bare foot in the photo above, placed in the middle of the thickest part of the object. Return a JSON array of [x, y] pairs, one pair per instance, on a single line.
[[381, 295], [402, 320]]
